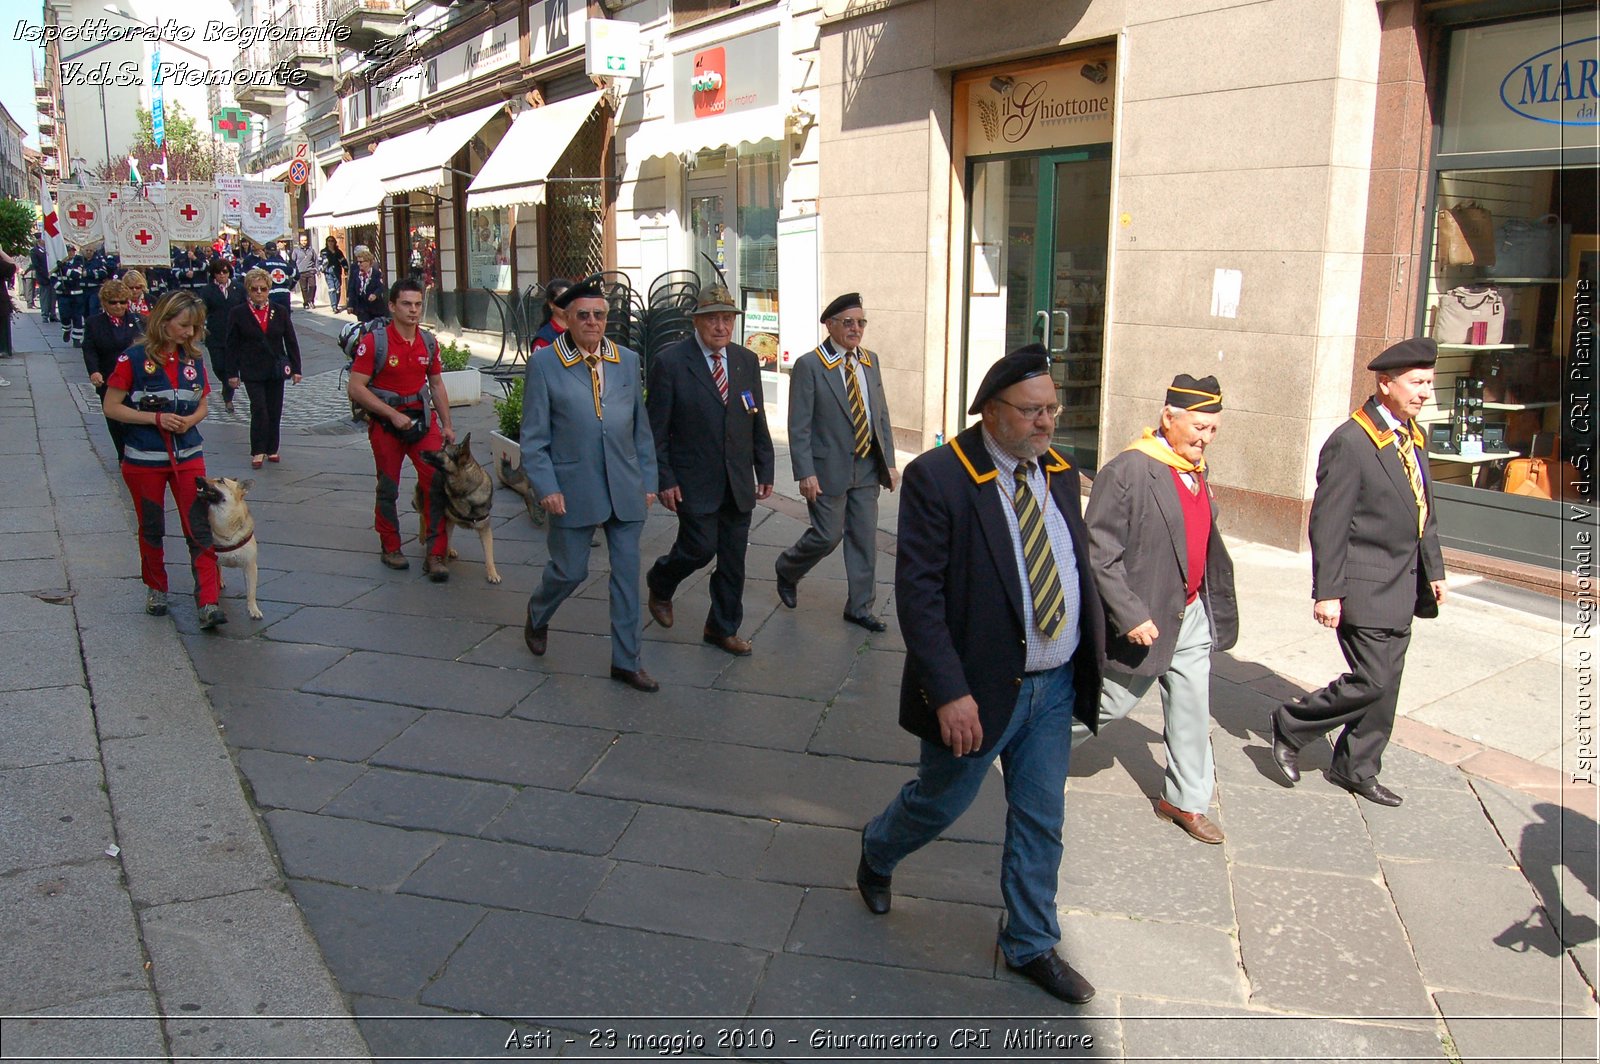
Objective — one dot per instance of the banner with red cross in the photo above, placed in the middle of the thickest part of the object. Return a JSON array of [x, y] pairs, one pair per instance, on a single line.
[[112, 197], [192, 211], [82, 215], [265, 212], [141, 231], [230, 199]]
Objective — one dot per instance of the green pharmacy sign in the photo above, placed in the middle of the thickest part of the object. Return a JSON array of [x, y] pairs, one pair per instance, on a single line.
[[232, 123]]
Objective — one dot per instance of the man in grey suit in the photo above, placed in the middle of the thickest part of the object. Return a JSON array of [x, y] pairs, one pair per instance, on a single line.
[[842, 450], [588, 451], [1375, 564], [1166, 582]]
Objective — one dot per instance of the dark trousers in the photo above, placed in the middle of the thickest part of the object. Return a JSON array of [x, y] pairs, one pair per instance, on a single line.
[[266, 411], [722, 536], [48, 294], [117, 429], [1362, 701]]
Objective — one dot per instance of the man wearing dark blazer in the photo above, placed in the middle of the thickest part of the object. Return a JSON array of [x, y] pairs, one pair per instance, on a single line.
[[220, 295], [714, 458], [1166, 582], [842, 450], [1375, 564], [992, 576]]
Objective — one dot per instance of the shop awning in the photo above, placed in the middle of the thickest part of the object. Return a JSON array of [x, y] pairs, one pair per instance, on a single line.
[[702, 134], [515, 172], [275, 172], [425, 160], [344, 180], [359, 204]]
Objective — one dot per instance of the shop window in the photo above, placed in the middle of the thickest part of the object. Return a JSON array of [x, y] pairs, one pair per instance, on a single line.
[[574, 210], [489, 249], [759, 194], [687, 11], [1513, 269]]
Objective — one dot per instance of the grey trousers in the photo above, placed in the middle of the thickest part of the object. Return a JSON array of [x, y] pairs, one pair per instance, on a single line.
[[568, 568], [1186, 706], [851, 518]]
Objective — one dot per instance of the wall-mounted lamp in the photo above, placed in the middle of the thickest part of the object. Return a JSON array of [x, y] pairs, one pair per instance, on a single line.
[[1002, 84], [1095, 72]]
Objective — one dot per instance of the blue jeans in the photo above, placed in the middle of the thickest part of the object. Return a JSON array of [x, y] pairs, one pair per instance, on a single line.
[[334, 292], [1033, 751]]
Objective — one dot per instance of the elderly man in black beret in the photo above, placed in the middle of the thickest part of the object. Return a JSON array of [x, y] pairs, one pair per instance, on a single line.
[[1375, 564], [842, 451], [1004, 635], [1166, 582]]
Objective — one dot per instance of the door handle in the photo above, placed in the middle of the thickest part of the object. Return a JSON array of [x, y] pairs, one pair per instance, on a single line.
[[1042, 327], [1066, 321]]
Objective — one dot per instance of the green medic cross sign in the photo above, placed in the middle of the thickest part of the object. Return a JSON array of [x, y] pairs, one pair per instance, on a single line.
[[232, 123]]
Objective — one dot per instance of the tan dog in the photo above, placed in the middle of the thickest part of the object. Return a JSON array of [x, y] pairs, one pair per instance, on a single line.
[[464, 489], [233, 531]]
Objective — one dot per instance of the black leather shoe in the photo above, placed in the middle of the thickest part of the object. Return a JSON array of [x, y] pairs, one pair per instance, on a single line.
[[1285, 756], [788, 592], [1370, 789], [867, 621], [874, 888], [538, 639], [638, 679], [1058, 978]]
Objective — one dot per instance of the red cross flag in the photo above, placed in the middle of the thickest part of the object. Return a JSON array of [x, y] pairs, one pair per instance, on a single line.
[[142, 235], [80, 220], [192, 211], [230, 190], [265, 213], [55, 244]]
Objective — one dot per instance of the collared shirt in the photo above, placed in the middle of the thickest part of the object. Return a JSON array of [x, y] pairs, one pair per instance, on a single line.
[[1189, 480], [852, 363], [1389, 419], [1042, 653], [707, 352], [599, 364]]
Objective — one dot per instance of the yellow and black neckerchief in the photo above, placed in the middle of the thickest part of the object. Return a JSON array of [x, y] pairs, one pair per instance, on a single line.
[[1149, 445], [568, 353], [831, 359], [1384, 437], [1056, 464]]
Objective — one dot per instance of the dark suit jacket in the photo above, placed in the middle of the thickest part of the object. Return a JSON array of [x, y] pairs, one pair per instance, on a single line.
[[254, 356], [360, 301], [958, 593], [103, 342], [1364, 545], [1140, 555], [218, 307], [702, 446]]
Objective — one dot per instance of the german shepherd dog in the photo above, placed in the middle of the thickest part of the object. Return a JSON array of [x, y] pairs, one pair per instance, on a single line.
[[233, 531], [466, 493]]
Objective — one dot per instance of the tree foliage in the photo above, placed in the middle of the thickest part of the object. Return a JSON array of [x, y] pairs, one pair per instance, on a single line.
[[17, 221], [191, 152]]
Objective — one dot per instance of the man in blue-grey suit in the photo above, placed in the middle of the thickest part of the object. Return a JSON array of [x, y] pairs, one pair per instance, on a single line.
[[588, 451]]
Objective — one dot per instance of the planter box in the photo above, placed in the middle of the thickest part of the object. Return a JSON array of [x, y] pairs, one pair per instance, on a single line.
[[465, 386], [500, 446]]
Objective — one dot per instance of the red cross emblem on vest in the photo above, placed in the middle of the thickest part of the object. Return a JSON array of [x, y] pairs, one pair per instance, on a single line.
[[143, 237], [81, 214], [188, 212], [261, 210], [278, 275]]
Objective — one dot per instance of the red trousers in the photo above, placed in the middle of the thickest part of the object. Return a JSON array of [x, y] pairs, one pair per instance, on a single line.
[[389, 455], [148, 485]]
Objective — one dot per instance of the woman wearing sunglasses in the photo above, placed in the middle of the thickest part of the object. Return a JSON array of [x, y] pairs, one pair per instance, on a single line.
[[264, 354], [109, 333]]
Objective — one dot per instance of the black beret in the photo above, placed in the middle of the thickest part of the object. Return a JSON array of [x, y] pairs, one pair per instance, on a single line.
[[1023, 364], [585, 289], [1418, 352], [843, 303], [1201, 394]]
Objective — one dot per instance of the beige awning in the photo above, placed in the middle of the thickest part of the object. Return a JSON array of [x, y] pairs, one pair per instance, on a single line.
[[336, 195], [515, 171], [662, 138], [359, 205], [424, 160]]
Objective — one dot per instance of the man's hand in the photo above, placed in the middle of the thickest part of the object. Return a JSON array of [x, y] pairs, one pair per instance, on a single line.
[[763, 491], [233, 382], [894, 478], [959, 727], [1144, 635], [1439, 589], [296, 378], [1327, 611], [97, 379], [810, 489], [554, 504], [670, 498], [649, 499], [448, 433]]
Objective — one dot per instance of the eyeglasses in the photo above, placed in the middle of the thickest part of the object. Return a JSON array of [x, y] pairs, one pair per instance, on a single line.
[[116, 302], [257, 287], [1031, 413], [589, 315], [852, 323]]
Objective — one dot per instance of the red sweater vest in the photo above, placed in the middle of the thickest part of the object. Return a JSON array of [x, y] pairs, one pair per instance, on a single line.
[[1196, 531]]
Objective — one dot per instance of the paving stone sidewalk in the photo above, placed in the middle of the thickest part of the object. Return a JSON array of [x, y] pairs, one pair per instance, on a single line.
[[494, 850]]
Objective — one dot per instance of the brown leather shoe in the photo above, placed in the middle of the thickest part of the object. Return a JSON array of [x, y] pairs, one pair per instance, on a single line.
[[538, 639], [661, 610], [638, 679], [1198, 825], [437, 568], [394, 559], [731, 643]]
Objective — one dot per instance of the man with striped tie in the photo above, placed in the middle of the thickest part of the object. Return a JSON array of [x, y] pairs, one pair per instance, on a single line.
[[1375, 564], [842, 451], [1004, 636], [715, 461]]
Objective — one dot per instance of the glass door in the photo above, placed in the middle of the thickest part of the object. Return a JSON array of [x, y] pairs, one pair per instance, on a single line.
[[1037, 274]]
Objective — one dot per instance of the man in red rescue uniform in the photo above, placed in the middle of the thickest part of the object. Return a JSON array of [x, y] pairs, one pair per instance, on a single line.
[[403, 421]]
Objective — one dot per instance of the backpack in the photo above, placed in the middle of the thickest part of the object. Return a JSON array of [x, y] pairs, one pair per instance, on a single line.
[[350, 338]]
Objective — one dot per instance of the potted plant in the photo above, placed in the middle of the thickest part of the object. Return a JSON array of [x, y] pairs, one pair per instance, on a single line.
[[463, 383], [505, 440]]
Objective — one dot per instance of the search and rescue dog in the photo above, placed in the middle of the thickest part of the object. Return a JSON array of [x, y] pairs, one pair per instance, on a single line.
[[465, 491], [233, 531]]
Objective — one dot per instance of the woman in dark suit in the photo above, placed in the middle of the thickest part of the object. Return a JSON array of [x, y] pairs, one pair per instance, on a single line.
[[105, 337], [220, 297], [263, 353], [366, 296]]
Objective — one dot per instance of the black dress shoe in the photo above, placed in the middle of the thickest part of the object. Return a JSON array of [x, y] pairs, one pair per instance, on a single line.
[[787, 592], [867, 621], [538, 639], [1057, 977], [1370, 789], [1285, 756], [637, 679], [874, 888]]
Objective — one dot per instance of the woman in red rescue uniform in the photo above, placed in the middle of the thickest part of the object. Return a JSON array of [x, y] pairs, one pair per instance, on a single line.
[[158, 389]]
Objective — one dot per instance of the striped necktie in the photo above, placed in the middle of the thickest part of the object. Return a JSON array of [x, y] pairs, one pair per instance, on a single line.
[[1404, 444], [1044, 583], [858, 409], [593, 362], [719, 375]]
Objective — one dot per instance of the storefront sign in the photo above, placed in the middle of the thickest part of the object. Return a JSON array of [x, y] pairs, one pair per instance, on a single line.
[[490, 50], [612, 49], [734, 76], [1051, 107], [1523, 86]]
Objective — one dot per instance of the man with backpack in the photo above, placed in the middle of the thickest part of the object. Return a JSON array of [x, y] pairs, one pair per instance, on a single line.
[[396, 378]]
